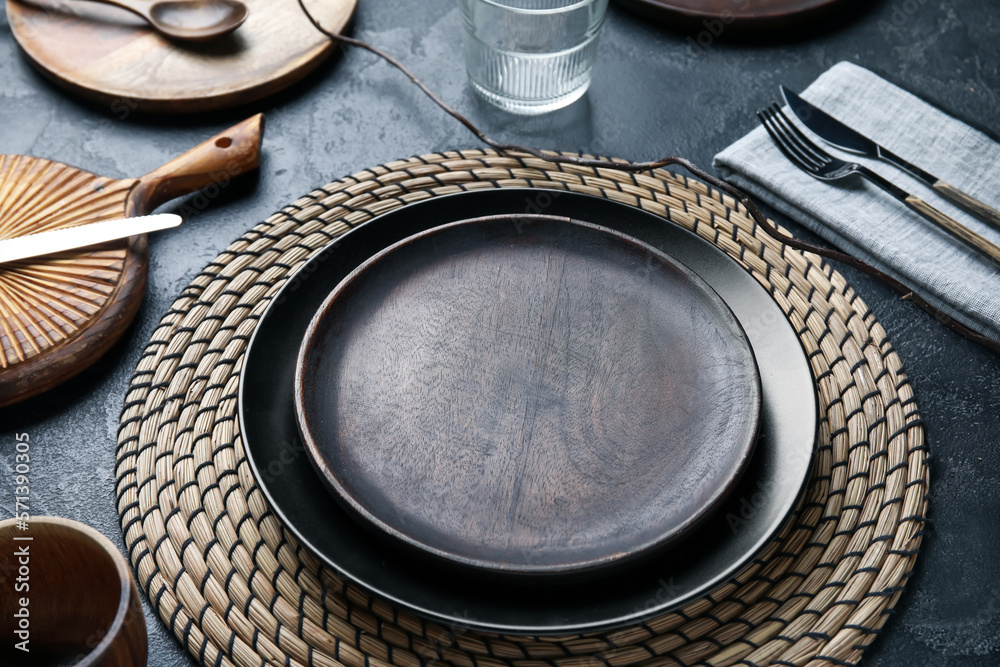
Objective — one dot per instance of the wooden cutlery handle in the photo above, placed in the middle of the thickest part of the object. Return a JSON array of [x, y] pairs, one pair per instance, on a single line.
[[953, 226], [977, 208], [227, 154]]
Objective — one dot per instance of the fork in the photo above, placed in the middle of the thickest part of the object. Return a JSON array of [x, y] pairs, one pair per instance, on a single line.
[[819, 164]]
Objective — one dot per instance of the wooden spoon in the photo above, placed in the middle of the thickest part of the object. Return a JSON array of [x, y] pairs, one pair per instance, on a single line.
[[188, 20]]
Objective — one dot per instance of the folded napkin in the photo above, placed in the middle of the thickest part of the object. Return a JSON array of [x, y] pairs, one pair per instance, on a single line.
[[867, 222]]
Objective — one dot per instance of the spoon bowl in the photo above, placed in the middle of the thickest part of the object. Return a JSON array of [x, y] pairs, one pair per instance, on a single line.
[[188, 20]]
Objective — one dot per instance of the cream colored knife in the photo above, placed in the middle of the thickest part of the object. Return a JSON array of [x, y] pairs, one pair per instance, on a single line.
[[81, 236]]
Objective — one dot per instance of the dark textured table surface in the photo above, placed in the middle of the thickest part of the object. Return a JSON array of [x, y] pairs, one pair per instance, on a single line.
[[656, 92]]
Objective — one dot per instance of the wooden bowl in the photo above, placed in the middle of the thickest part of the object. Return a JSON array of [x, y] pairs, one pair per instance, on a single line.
[[68, 592], [527, 396]]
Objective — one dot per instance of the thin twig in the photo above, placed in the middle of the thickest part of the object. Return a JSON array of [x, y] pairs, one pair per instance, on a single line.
[[633, 167]]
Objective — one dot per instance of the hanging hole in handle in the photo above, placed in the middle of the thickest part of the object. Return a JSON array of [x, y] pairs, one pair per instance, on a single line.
[[223, 142]]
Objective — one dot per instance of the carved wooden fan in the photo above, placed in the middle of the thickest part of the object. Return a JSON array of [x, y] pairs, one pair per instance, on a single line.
[[60, 313]]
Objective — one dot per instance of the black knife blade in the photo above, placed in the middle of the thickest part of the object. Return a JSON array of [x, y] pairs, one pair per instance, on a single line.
[[841, 136]]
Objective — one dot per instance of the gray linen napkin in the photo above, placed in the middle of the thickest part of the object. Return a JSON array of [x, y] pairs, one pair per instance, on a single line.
[[868, 223]]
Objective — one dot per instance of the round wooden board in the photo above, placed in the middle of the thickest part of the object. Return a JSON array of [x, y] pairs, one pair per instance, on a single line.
[[107, 54], [59, 313], [528, 396]]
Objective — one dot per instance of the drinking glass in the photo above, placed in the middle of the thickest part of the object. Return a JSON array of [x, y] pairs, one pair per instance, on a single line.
[[531, 56]]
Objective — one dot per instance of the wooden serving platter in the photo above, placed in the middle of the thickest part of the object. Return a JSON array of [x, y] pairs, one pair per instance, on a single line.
[[61, 312], [528, 396], [713, 18], [108, 54]]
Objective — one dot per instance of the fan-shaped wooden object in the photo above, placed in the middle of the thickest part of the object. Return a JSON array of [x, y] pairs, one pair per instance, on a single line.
[[61, 312]]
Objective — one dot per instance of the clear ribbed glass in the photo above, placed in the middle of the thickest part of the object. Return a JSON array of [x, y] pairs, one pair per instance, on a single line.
[[531, 56]]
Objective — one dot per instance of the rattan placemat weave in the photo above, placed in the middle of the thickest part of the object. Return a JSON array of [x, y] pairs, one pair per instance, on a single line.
[[236, 588]]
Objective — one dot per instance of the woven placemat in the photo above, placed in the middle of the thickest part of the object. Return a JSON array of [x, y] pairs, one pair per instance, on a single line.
[[236, 588]]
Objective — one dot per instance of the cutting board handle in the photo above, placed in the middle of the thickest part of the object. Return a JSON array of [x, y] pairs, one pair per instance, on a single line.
[[216, 161]]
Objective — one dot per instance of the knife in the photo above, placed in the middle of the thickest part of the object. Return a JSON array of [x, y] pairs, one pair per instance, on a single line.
[[81, 236], [835, 133]]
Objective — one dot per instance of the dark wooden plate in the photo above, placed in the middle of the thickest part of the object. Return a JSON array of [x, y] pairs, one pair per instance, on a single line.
[[717, 17], [527, 395], [714, 552]]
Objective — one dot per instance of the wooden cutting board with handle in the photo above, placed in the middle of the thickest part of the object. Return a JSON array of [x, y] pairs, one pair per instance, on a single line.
[[60, 313]]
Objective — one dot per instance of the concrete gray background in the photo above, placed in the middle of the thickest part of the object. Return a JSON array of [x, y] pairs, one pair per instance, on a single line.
[[653, 95]]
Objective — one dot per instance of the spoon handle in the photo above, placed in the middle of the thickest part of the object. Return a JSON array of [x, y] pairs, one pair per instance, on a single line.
[[138, 7]]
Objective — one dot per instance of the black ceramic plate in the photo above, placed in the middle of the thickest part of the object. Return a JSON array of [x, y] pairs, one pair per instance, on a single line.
[[527, 396], [723, 544]]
